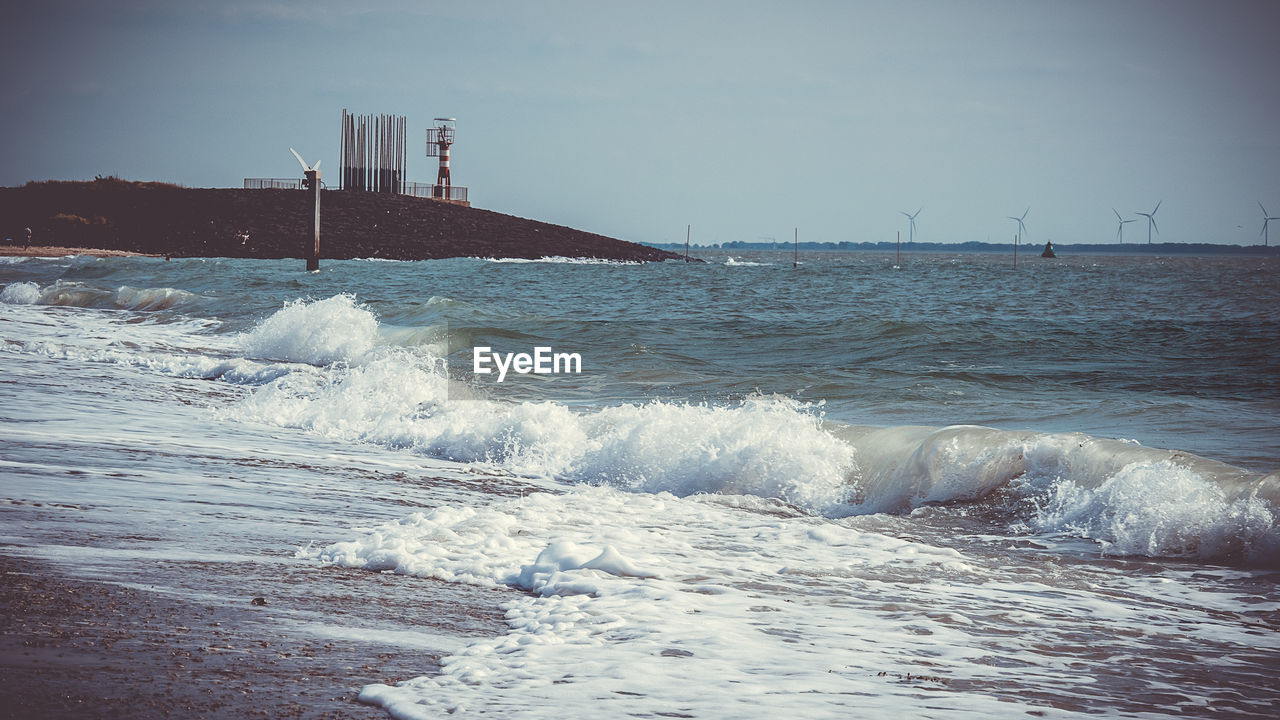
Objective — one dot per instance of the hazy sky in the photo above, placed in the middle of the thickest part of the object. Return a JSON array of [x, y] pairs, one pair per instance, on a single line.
[[633, 119]]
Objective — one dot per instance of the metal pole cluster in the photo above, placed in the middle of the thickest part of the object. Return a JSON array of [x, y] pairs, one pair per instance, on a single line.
[[374, 152]]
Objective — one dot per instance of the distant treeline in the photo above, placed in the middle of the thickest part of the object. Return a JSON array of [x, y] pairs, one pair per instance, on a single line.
[[985, 247]]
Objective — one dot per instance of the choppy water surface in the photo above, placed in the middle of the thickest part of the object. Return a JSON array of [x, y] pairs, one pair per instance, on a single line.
[[939, 488]]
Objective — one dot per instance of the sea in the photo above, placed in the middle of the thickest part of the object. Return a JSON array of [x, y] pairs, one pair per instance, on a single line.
[[842, 485]]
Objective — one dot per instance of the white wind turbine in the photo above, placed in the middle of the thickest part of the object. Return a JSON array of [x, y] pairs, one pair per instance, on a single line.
[[1151, 221], [305, 168], [1120, 230], [912, 218], [1022, 228], [1266, 238]]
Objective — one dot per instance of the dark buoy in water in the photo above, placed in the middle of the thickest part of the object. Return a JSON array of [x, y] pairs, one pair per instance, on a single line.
[[1048, 250]]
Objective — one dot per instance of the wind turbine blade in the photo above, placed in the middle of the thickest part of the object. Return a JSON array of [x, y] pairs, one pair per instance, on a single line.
[[300, 160], [1153, 222], [1117, 212], [1264, 210], [1153, 212], [317, 165], [1024, 213]]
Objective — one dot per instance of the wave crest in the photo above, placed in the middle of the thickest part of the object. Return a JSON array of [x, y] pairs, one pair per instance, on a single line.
[[317, 333]]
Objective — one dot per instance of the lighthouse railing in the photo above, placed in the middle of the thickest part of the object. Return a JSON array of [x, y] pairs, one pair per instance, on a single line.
[[455, 193]]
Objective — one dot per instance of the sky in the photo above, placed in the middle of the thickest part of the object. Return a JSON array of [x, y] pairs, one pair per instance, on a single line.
[[744, 120]]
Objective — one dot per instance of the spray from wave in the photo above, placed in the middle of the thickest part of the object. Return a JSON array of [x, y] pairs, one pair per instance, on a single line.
[[318, 333], [22, 293]]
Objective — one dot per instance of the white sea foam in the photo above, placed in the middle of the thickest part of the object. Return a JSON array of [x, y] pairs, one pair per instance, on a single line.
[[319, 333], [1133, 500], [771, 447], [1162, 509], [628, 612], [185, 348], [736, 262], [20, 293], [237, 371], [561, 260]]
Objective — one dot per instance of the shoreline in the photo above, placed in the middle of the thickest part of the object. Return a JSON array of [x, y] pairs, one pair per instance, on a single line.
[[54, 251]]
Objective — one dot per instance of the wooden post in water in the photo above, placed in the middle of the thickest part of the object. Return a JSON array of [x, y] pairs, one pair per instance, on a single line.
[[687, 229], [1015, 250], [899, 262], [795, 259], [313, 182]]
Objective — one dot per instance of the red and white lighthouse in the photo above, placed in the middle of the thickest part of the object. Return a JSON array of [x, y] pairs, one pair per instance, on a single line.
[[439, 138]]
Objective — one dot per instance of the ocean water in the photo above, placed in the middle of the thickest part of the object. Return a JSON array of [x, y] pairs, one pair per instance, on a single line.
[[940, 488]]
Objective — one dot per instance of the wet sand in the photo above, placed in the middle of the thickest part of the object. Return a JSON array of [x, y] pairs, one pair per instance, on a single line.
[[77, 647]]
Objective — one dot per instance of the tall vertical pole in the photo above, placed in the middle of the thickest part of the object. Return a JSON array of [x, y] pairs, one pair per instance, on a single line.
[[899, 261], [795, 259], [313, 180], [1015, 250], [688, 229]]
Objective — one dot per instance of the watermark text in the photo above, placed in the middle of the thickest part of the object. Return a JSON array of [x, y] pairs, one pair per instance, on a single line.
[[543, 361]]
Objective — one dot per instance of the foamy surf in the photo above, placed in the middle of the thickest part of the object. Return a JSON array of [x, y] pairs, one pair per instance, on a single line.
[[318, 333], [1130, 499], [615, 603], [560, 260]]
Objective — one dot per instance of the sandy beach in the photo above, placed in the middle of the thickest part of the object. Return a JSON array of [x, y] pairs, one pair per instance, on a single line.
[[59, 251]]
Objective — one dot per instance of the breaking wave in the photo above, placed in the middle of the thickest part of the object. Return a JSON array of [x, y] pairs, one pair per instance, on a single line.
[[561, 260], [318, 333], [1128, 498], [77, 294]]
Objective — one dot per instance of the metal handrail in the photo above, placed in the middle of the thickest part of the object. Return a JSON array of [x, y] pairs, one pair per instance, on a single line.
[[453, 193], [273, 184], [456, 193]]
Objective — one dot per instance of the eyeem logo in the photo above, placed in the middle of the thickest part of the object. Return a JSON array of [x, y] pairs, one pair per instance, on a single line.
[[542, 362]]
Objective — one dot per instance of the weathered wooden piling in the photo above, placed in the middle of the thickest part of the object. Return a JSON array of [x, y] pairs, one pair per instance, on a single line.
[[313, 182]]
